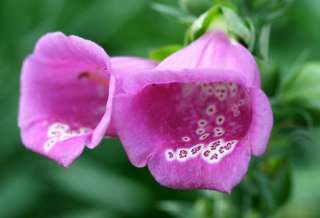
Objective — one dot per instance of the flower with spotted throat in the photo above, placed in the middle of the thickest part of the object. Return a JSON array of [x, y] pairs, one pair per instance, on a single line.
[[67, 88], [197, 117]]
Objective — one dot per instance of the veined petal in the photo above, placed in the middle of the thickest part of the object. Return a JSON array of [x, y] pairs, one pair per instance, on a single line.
[[64, 92], [215, 50]]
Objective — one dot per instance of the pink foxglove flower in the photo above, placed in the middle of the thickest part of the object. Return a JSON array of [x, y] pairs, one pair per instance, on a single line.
[[67, 88], [197, 117]]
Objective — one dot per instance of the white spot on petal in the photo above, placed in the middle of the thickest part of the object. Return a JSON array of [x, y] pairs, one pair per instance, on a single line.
[[200, 131], [53, 133], [182, 154], [214, 158], [170, 155], [220, 119], [211, 109], [196, 150], [209, 91], [230, 145], [65, 136], [215, 144], [221, 91], [204, 136], [217, 150], [48, 145], [185, 139], [218, 131], [205, 154], [202, 122], [57, 129], [233, 88], [84, 130]]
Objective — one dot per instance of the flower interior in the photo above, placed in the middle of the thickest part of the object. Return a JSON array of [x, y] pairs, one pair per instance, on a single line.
[[197, 120], [84, 101]]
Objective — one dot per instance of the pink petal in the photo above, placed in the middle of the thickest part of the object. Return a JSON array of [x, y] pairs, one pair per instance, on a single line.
[[128, 64], [177, 116], [215, 50], [130, 117], [64, 91], [121, 66], [198, 172], [262, 122]]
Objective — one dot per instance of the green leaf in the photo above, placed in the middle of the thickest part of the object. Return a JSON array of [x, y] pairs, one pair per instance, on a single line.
[[303, 86], [223, 17], [270, 76], [306, 194], [203, 208], [173, 12], [195, 7], [177, 209], [212, 19], [273, 179], [249, 23], [292, 74], [237, 26], [88, 213], [19, 192], [163, 52], [264, 42]]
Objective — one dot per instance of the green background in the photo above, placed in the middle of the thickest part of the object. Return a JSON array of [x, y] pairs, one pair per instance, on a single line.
[[102, 183]]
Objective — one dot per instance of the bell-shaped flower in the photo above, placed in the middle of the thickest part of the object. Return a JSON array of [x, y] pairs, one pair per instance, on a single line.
[[67, 88], [197, 117]]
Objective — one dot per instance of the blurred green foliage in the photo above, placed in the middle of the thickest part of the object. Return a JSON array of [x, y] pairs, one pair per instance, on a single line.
[[102, 183]]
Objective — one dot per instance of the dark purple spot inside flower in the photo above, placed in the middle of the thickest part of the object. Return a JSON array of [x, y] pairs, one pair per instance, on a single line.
[[84, 75]]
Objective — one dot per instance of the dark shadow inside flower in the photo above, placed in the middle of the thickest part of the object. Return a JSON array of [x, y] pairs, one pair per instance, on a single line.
[[100, 80]]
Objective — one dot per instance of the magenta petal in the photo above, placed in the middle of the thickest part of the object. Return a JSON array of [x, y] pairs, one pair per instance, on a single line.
[[64, 92], [121, 66], [262, 122], [215, 50], [200, 174], [162, 120], [127, 64], [192, 118]]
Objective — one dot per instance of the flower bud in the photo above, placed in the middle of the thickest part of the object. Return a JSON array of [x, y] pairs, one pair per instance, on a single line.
[[225, 18]]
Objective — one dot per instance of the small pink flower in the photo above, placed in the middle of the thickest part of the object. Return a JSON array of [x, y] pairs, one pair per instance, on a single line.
[[197, 117], [67, 88]]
